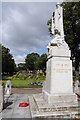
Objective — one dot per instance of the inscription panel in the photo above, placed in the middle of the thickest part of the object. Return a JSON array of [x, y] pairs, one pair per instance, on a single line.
[[62, 68]]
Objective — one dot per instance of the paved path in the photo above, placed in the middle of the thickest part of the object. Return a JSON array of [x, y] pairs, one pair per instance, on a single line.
[[26, 90], [12, 109]]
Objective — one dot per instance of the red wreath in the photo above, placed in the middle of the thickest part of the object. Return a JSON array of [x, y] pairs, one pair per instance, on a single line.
[[24, 104]]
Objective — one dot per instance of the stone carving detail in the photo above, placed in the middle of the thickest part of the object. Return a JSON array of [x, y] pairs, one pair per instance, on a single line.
[[57, 28], [57, 21]]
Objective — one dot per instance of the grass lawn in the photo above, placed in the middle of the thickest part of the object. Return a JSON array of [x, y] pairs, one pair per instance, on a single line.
[[25, 83], [0, 82], [21, 82]]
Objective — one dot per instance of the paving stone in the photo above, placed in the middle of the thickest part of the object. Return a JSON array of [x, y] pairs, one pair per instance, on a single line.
[[13, 110]]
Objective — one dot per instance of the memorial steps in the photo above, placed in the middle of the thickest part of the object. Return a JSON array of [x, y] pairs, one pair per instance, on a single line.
[[41, 109]]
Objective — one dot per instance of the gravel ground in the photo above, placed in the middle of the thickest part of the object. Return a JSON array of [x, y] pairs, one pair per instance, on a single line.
[[26, 90]]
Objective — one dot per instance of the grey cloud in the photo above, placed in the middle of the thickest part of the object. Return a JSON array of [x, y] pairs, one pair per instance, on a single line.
[[24, 25]]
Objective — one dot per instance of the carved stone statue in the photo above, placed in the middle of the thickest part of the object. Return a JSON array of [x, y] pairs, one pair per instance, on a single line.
[[57, 28], [57, 21]]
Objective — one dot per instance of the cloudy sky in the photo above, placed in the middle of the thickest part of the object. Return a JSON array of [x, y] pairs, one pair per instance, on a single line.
[[24, 27]]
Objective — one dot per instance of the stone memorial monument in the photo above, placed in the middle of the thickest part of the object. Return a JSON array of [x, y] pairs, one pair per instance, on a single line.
[[57, 99], [8, 88], [59, 82]]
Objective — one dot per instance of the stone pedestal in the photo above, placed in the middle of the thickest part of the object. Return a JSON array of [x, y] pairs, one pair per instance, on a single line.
[[1, 98], [59, 82]]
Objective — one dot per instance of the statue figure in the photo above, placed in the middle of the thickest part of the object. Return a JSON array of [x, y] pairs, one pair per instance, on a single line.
[[57, 28], [57, 21]]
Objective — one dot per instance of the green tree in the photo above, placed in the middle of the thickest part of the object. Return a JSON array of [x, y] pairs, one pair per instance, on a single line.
[[42, 62], [21, 66], [71, 29], [71, 13], [8, 63], [31, 61]]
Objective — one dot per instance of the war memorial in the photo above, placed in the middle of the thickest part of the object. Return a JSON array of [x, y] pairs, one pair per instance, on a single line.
[[57, 99]]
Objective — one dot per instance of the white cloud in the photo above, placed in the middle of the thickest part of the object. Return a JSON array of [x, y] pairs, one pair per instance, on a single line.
[[24, 27], [20, 59]]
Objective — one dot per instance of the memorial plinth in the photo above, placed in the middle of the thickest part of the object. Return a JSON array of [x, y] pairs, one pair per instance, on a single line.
[[59, 81]]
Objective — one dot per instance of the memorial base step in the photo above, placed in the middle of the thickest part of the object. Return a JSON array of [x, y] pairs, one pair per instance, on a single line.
[[42, 109]]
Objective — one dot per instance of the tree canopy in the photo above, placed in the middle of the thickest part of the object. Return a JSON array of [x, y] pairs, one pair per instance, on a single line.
[[34, 61], [8, 63], [31, 61], [42, 62], [71, 29]]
